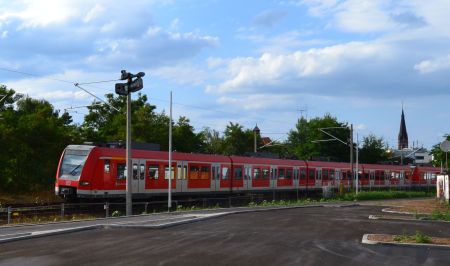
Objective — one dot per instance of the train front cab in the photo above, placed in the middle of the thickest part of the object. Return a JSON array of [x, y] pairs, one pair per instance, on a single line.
[[72, 170]]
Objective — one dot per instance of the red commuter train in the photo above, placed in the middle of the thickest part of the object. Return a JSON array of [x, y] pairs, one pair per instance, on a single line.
[[86, 171]]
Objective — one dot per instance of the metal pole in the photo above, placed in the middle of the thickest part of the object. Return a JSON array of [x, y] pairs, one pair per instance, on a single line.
[[357, 162], [351, 152], [62, 211], [446, 162], [106, 209], [254, 141], [169, 201], [129, 194], [9, 214]]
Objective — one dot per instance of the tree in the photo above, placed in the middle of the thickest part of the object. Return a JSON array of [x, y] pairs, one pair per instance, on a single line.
[[373, 150], [439, 155], [32, 137], [212, 143], [303, 139], [104, 123], [184, 137], [237, 141]]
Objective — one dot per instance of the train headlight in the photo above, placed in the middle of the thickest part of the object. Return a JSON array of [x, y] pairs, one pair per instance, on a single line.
[[84, 183]]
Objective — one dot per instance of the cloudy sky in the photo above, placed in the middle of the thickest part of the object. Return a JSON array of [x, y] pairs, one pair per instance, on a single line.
[[265, 62]]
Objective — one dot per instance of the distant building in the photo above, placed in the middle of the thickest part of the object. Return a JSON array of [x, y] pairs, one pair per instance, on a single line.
[[406, 155], [265, 141], [402, 134], [416, 156]]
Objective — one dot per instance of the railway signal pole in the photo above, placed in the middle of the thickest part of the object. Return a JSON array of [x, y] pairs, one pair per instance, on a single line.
[[125, 89]]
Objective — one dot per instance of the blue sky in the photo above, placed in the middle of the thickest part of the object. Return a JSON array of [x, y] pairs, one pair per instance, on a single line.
[[264, 62]]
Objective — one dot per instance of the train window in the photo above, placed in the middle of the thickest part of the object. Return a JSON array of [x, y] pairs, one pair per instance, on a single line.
[[121, 171], [238, 173], [265, 173], [312, 174], [281, 173], [135, 171], [325, 174], [153, 170], [303, 173], [215, 170], [142, 170], [337, 174], [319, 174], [256, 173], [194, 172], [106, 166], [166, 172], [225, 173], [288, 173], [331, 173], [205, 172]]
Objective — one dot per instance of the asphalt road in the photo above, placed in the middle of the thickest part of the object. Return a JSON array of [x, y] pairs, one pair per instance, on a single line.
[[307, 236]]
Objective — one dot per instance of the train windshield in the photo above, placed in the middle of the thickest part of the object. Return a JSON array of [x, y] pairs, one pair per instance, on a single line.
[[73, 163]]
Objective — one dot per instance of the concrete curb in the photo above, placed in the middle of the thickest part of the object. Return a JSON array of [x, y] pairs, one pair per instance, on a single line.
[[399, 212], [189, 218], [378, 217], [37, 234], [365, 240]]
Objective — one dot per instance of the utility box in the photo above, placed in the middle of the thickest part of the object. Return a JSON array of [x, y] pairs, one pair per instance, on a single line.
[[443, 188]]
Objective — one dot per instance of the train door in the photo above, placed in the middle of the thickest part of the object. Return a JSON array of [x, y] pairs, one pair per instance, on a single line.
[[138, 180], [273, 176], [181, 177], [318, 178], [247, 177], [296, 175], [337, 177], [215, 177]]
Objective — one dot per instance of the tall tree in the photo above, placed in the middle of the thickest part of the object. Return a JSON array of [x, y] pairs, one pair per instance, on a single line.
[[184, 137], [304, 139], [373, 150], [32, 137], [212, 142], [237, 141]]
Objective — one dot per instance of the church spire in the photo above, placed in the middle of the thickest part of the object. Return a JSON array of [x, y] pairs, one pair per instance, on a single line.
[[402, 135]]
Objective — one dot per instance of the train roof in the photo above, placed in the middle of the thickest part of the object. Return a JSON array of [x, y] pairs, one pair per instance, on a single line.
[[211, 158]]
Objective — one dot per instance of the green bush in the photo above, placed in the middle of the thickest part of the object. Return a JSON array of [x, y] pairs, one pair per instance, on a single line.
[[419, 237]]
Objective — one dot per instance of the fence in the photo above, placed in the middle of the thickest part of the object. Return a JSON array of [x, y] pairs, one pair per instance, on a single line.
[[81, 211]]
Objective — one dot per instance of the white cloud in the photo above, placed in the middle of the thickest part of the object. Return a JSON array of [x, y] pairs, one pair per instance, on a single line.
[[94, 13], [39, 13], [433, 65], [4, 34], [284, 70]]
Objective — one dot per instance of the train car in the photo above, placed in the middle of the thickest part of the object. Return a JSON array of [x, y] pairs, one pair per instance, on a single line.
[[86, 171]]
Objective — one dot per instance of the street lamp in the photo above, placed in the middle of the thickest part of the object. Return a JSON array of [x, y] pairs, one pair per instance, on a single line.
[[256, 132], [125, 89]]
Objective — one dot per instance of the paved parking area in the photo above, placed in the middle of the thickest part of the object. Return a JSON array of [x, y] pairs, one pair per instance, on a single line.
[[304, 236]]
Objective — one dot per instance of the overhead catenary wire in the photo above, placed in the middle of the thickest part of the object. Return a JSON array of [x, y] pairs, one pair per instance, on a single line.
[[77, 84]]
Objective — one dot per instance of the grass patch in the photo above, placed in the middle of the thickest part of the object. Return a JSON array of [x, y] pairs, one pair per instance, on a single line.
[[419, 237], [378, 195], [440, 215], [36, 219]]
